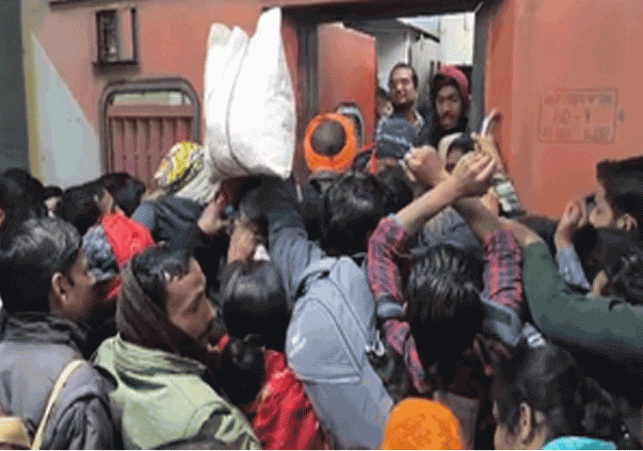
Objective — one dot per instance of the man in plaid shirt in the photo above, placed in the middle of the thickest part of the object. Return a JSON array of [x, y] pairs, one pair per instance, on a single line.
[[388, 255]]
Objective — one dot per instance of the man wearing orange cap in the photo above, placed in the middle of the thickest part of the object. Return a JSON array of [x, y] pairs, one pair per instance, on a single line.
[[449, 105]]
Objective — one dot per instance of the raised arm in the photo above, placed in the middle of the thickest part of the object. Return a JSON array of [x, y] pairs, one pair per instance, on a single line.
[[290, 248]]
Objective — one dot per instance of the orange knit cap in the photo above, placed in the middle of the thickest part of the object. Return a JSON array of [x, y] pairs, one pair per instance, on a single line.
[[339, 162], [421, 424]]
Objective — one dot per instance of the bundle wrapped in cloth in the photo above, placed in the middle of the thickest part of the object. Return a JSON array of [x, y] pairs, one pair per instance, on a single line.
[[249, 101]]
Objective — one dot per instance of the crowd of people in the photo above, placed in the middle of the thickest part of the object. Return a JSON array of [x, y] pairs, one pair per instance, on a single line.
[[400, 298]]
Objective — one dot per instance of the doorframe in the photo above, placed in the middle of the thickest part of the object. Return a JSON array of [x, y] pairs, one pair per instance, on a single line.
[[308, 14]]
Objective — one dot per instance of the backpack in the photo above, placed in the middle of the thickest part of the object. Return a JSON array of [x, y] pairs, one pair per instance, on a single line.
[[326, 290], [13, 430], [328, 341]]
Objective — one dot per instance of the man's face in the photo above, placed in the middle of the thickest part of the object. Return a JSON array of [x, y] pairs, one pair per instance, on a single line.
[[449, 107], [403, 92], [188, 306], [602, 215], [81, 301]]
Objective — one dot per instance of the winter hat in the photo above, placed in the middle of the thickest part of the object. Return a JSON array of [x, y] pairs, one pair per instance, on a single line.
[[101, 261], [459, 77], [329, 159], [112, 243], [393, 137], [185, 171], [417, 423]]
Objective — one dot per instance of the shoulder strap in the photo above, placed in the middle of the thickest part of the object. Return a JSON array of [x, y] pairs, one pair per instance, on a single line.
[[53, 397], [318, 268]]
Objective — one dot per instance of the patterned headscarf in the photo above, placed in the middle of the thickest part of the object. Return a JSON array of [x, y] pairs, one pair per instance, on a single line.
[[186, 171]]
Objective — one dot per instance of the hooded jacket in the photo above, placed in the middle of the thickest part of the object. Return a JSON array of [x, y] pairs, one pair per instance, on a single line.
[[34, 350]]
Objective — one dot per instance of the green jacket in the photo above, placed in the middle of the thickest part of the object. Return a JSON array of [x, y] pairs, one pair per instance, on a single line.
[[161, 397], [598, 331]]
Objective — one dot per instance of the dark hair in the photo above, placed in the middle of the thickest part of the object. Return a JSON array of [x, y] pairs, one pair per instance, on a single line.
[[17, 208], [398, 192], [381, 92], [254, 303], [155, 267], [414, 74], [620, 255], [79, 205], [623, 183], [52, 191], [313, 198], [126, 190], [39, 249], [445, 307], [353, 205], [31, 186], [329, 138], [256, 314], [464, 142], [549, 379]]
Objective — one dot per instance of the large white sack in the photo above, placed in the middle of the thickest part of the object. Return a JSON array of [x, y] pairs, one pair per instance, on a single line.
[[262, 118], [226, 50]]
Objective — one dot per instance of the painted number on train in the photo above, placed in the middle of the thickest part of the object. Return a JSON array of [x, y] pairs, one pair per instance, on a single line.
[[570, 116]]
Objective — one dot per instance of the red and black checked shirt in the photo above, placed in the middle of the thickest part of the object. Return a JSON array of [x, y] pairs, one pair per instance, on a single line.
[[387, 251]]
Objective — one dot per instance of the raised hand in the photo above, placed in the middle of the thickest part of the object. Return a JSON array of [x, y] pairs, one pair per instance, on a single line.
[[426, 165], [212, 221], [574, 217], [472, 174], [243, 242]]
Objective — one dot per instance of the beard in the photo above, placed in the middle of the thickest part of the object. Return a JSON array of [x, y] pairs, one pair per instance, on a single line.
[[403, 107]]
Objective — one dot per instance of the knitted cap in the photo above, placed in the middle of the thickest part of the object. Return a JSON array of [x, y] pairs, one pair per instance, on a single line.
[[421, 424], [343, 159], [394, 137], [101, 261], [459, 77]]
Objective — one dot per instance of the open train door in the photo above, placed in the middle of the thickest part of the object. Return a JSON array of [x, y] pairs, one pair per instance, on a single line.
[[347, 72]]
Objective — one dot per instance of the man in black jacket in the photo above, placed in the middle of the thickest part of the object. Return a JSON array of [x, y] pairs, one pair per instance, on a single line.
[[47, 292]]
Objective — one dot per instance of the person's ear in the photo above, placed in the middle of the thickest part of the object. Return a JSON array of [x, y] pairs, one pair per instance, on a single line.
[[59, 292], [3, 216], [526, 424], [627, 222]]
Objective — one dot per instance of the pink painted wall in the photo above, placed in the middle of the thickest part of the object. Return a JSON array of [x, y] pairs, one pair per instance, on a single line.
[[172, 39]]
